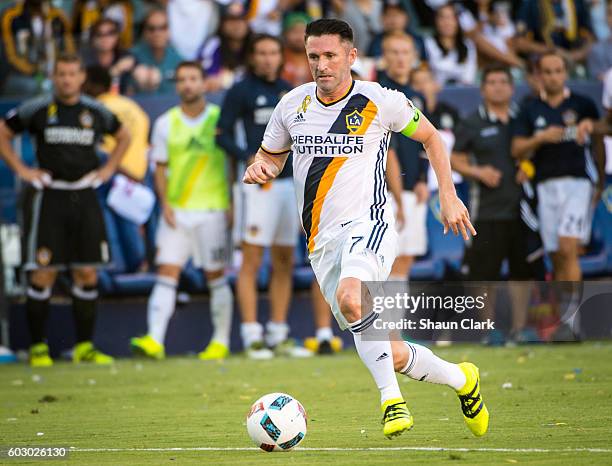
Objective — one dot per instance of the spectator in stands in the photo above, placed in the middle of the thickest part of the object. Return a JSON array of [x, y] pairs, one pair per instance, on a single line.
[[266, 17], [450, 55], [497, 26], [85, 14], [441, 114], [134, 163], [562, 25], [224, 55], [104, 51], [192, 22], [269, 215], [295, 70], [63, 219], [364, 16], [600, 56], [34, 33], [406, 160], [191, 178], [156, 59], [553, 131], [482, 155], [395, 19]]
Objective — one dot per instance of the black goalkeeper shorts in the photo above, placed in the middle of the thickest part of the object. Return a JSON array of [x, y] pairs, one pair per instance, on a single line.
[[63, 229]]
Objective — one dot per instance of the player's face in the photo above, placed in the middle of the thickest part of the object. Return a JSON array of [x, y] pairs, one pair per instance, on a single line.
[[552, 74], [190, 84], [68, 79], [399, 55], [267, 58], [497, 89], [330, 61]]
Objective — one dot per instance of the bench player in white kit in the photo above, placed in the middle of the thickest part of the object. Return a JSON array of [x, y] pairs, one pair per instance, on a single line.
[[338, 130]]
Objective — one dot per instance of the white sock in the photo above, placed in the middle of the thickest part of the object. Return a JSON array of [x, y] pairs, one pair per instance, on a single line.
[[324, 334], [251, 332], [425, 366], [377, 356], [276, 333], [161, 307], [221, 309]]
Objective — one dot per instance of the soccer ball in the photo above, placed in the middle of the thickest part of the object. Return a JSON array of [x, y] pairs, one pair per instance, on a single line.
[[276, 422]]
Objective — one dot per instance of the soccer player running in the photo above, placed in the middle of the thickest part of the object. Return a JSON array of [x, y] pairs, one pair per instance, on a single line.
[[64, 227], [338, 130], [193, 188]]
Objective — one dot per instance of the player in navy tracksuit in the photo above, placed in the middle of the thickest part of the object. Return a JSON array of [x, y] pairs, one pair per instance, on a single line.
[[269, 217]]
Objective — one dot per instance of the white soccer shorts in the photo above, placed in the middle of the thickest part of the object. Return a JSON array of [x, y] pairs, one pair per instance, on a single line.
[[563, 209], [412, 238], [353, 255], [269, 216], [201, 235]]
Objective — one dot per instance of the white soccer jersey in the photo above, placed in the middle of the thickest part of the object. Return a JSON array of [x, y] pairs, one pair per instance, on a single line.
[[339, 155]]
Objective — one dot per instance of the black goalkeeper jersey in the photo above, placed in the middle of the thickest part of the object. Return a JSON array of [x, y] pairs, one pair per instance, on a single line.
[[66, 135]]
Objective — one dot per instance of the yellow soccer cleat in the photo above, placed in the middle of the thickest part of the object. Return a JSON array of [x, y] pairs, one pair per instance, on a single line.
[[475, 413], [39, 355], [87, 352], [147, 346], [396, 418], [214, 351]]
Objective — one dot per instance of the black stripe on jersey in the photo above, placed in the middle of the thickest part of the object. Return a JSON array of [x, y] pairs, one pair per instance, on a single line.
[[311, 185], [376, 209], [357, 102]]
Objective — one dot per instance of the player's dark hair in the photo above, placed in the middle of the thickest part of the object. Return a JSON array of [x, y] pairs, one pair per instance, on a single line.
[[67, 58], [333, 27], [256, 39], [98, 80], [496, 68], [190, 64]]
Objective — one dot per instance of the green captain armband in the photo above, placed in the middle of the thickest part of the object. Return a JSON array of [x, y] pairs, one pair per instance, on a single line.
[[414, 123]]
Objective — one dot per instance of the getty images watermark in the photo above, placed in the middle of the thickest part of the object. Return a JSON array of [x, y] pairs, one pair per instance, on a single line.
[[411, 305], [474, 311]]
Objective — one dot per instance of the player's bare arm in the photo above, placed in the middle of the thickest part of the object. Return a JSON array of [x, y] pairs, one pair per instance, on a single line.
[[264, 167], [122, 136], [35, 176], [453, 212]]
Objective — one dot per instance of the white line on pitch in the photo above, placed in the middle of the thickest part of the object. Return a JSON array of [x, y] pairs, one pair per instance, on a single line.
[[432, 449]]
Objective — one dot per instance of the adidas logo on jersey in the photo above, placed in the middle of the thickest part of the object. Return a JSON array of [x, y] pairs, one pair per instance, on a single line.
[[299, 118], [382, 356]]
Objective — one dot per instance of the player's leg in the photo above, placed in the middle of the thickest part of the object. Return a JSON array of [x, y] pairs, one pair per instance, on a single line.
[[326, 342], [174, 247], [283, 220], [419, 363], [258, 233], [84, 306], [37, 312], [43, 251], [212, 253]]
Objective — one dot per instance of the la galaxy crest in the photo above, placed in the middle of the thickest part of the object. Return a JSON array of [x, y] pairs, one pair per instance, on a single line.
[[354, 120]]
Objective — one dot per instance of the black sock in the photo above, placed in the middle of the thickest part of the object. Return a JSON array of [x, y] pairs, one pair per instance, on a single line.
[[84, 300], [37, 312]]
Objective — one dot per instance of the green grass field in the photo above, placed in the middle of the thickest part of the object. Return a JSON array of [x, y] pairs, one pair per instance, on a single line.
[[559, 401]]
